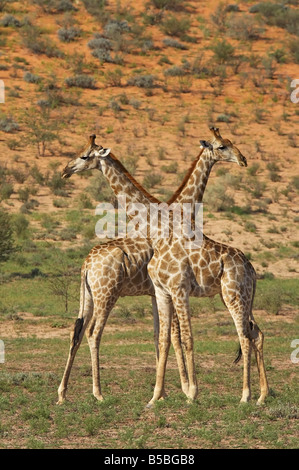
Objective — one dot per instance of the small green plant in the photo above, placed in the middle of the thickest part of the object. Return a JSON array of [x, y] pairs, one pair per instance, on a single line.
[[113, 77], [223, 51], [33, 40], [151, 179], [171, 168], [174, 26], [250, 227], [6, 237]]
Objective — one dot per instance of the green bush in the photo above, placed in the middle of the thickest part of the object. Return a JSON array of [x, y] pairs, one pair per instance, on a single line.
[[294, 49], [6, 237], [151, 179], [174, 26], [55, 6], [223, 51], [20, 225], [33, 40], [244, 27], [278, 14], [168, 4]]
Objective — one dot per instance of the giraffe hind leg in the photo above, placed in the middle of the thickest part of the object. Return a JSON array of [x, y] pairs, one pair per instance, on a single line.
[[257, 339], [86, 309]]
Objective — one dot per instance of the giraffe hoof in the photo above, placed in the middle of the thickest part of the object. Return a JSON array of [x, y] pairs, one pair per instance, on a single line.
[[149, 405]]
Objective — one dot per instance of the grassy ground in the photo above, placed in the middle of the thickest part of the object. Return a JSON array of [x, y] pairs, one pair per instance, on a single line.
[[35, 332]]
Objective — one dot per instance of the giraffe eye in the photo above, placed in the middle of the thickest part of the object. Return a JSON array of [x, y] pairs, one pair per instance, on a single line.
[[86, 157], [222, 147]]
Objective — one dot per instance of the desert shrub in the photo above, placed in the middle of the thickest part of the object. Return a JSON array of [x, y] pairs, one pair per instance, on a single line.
[[10, 20], [151, 179], [217, 198], [223, 118], [219, 16], [294, 49], [96, 8], [81, 81], [142, 81], [253, 169], [170, 42], [113, 28], [244, 27], [7, 124], [174, 26], [55, 6], [99, 190], [273, 171], [33, 40], [223, 51], [31, 78], [278, 14], [98, 42], [20, 225], [68, 34], [6, 190], [256, 187], [168, 4], [18, 175], [176, 71], [6, 236], [3, 4], [250, 227], [37, 175], [113, 77], [279, 55], [42, 128], [56, 183], [171, 168], [104, 56], [270, 65]]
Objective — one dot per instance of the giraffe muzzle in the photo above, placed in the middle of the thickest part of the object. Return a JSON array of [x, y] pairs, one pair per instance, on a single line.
[[242, 161], [66, 173]]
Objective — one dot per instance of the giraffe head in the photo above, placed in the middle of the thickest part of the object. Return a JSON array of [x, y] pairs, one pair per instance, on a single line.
[[222, 149], [89, 159]]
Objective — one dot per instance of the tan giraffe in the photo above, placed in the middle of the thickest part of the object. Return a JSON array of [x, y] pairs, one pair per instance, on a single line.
[[89, 163], [177, 270]]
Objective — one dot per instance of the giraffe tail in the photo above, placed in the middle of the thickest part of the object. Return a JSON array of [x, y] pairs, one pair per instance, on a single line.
[[85, 312]]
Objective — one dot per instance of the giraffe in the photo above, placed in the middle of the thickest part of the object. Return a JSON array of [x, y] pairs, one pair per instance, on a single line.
[[176, 270], [90, 163]]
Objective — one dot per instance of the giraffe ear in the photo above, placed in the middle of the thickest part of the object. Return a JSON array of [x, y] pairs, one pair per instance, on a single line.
[[205, 145], [105, 152]]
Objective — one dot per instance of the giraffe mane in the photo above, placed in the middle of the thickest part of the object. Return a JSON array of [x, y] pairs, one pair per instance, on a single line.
[[185, 180], [132, 179]]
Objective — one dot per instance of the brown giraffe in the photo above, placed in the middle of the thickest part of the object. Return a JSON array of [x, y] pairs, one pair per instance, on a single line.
[[120, 266]]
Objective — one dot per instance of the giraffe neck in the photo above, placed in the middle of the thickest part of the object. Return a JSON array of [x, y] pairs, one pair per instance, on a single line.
[[123, 183], [194, 188]]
